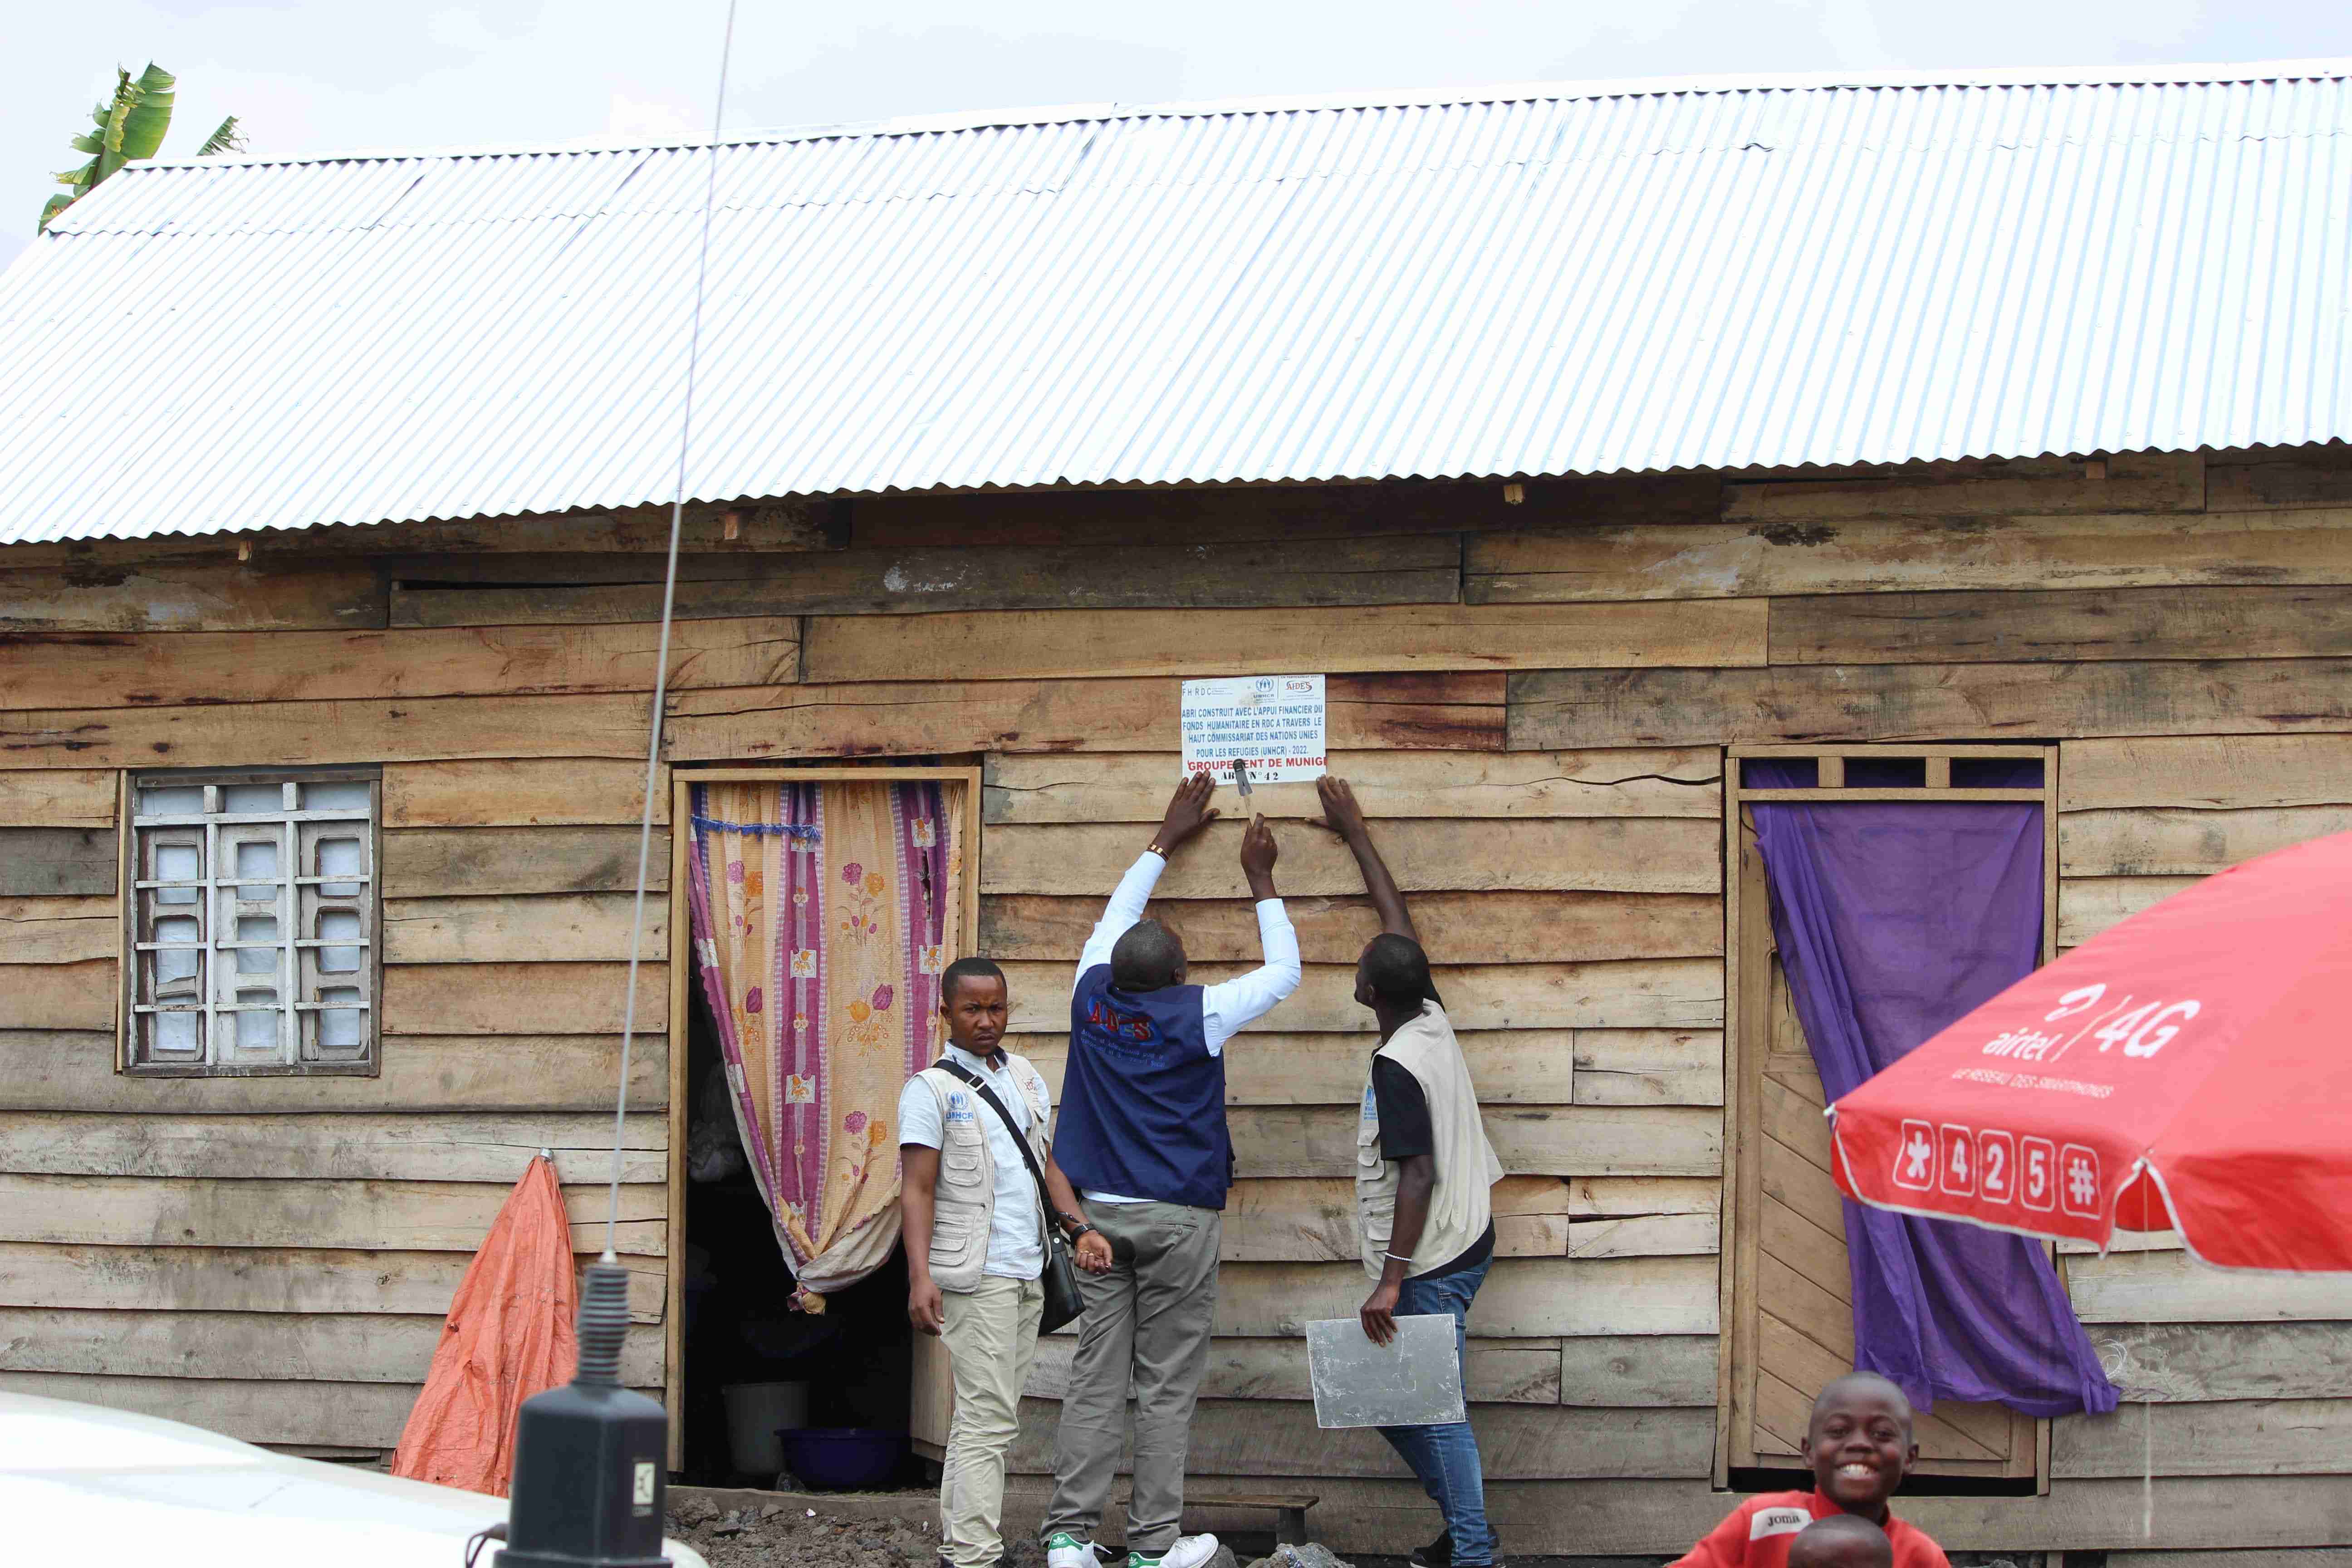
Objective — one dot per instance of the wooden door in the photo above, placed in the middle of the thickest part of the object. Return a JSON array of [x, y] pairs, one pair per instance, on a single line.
[[1789, 1323]]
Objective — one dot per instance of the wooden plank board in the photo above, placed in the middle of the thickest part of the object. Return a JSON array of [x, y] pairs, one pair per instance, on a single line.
[[1046, 643], [129, 1276], [1553, 709], [414, 1148], [2209, 773], [521, 998], [1134, 786], [516, 929], [2280, 478], [2196, 1362], [1247, 1438], [1490, 927], [356, 1347], [1529, 1067], [500, 793], [1636, 1371], [474, 862], [1313, 1219], [2089, 905], [1626, 1523], [1625, 855], [2161, 841], [1667, 993], [60, 930], [60, 862], [1523, 1297], [74, 1070], [1530, 1140], [2063, 624], [1873, 556], [644, 530], [2231, 1437], [2133, 482], [1502, 1371], [191, 596], [205, 1213], [63, 797], [1401, 570], [1647, 1236], [57, 995], [1186, 514], [91, 669], [294, 735], [2170, 1288], [1462, 712], [1649, 1067]]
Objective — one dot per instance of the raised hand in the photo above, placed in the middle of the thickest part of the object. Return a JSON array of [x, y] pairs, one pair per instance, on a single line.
[[1259, 852], [1341, 815], [1189, 811]]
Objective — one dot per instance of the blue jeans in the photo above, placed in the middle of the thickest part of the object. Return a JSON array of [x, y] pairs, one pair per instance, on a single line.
[[1445, 1456]]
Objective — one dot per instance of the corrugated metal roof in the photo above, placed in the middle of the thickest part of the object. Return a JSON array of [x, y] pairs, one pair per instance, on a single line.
[[1544, 280]]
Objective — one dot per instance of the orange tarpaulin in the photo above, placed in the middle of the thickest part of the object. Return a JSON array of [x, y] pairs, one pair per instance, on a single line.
[[509, 1336]]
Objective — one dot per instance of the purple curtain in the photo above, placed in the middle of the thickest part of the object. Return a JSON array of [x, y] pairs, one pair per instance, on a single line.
[[1894, 920]]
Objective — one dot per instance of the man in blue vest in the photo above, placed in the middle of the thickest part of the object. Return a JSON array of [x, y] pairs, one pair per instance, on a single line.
[[1142, 1138]]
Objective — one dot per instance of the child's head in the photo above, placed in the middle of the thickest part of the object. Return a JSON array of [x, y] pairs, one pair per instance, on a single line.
[[1859, 1442], [1840, 1541]]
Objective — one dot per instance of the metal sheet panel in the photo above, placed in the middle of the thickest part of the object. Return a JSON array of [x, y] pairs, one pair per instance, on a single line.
[[1549, 280]]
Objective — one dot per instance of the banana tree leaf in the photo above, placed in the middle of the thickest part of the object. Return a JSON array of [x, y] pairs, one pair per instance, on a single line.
[[224, 139], [150, 115], [51, 209], [115, 111]]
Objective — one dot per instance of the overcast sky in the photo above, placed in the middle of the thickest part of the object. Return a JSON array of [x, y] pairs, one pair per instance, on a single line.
[[310, 75]]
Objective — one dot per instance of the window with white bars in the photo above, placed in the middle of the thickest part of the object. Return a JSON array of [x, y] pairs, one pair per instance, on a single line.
[[252, 923]]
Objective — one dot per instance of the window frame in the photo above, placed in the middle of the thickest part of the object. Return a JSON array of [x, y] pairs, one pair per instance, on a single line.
[[368, 1063]]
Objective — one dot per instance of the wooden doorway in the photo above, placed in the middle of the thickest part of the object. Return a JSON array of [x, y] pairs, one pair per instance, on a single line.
[[1788, 1321], [931, 1397]]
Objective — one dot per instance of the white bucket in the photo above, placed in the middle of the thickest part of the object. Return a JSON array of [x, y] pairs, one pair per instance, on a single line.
[[755, 1412]]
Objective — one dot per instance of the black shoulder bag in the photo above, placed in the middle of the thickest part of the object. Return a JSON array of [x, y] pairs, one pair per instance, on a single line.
[[1064, 1302]]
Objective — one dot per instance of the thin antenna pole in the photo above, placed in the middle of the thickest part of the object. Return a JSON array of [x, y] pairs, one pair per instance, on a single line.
[[661, 662]]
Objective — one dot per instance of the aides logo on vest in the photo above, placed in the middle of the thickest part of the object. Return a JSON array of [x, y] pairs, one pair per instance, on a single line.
[[1101, 1014], [959, 1106]]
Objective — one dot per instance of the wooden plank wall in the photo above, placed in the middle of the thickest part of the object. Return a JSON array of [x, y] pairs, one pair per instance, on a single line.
[[1570, 900], [273, 1257], [1534, 698]]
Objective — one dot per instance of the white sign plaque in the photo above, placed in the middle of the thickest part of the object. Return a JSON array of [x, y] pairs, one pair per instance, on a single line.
[[1273, 723]]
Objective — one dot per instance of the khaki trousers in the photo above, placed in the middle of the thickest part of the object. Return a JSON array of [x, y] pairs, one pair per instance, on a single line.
[[992, 1337], [1149, 1320]]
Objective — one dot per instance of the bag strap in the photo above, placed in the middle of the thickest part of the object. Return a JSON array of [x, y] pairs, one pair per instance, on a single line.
[[1028, 1155]]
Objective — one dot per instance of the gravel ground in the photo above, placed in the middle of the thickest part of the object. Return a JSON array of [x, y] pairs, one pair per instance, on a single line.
[[775, 1535]]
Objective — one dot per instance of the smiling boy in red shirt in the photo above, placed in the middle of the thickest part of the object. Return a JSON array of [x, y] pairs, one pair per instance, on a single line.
[[1860, 1446]]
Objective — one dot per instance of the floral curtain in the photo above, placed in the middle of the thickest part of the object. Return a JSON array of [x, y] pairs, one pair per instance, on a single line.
[[822, 916]]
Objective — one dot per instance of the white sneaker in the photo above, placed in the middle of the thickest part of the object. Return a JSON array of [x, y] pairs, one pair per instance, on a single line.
[[1064, 1549], [1190, 1552]]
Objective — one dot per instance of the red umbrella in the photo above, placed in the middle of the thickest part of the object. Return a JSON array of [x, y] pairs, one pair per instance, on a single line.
[[2191, 1066]]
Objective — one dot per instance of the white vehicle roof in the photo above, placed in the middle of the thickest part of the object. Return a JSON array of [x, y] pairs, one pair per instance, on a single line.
[[106, 1488]]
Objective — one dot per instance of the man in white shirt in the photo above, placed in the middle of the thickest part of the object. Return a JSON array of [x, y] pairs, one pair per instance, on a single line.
[[975, 1235], [1143, 1139]]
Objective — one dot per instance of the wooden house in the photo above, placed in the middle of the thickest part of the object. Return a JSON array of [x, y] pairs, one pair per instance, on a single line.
[[1590, 440]]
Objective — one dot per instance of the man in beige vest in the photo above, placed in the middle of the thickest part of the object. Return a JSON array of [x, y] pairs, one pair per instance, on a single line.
[[1423, 1171], [975, 1234]]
